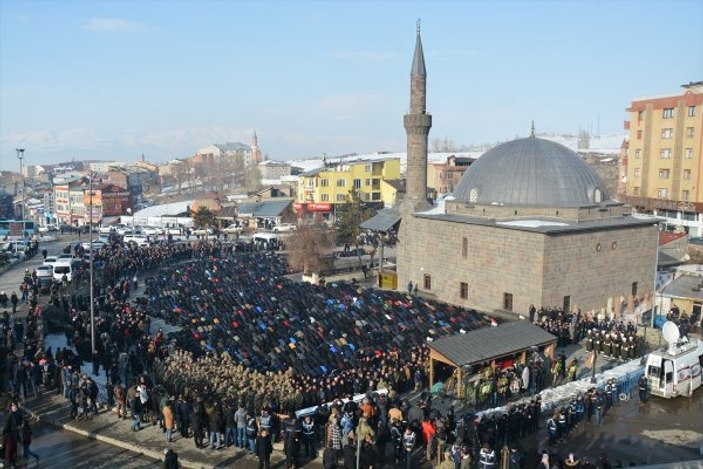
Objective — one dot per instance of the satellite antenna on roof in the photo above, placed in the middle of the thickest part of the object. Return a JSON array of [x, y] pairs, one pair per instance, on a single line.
[[670, 331]]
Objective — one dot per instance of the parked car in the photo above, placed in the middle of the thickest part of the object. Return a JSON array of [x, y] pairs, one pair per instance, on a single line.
[[48, 228], [45, 270], [232, 229], [138, 239], [63, 269], [284, 227], [50, 260], [151, 231], [97, 244], [202, 232]]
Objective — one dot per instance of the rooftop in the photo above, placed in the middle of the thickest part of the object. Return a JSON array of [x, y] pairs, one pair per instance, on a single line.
[[542, 224], [488, 343]]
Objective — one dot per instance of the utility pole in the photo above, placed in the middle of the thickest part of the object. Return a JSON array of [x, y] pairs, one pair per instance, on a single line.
[[90, 250], [20, 155]]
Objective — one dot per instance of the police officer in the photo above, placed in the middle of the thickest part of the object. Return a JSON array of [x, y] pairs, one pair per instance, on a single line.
[[308, 427], [643, 385], [486, 457]]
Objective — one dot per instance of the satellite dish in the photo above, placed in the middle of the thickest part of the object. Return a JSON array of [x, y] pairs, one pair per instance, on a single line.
[[670, 331]]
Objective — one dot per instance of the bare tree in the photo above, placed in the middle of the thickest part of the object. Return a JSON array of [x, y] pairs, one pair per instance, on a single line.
[[443, 145], [308, 247], [180, 175], [253, 177]]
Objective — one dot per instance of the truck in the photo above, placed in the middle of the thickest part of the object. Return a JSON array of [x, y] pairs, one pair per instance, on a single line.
[[675, 371]]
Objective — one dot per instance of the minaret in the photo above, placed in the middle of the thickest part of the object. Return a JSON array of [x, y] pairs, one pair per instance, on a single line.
[[417, 126], [255, 152]]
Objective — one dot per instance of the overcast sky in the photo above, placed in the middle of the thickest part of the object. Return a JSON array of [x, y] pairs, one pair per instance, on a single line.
[[115, 79]]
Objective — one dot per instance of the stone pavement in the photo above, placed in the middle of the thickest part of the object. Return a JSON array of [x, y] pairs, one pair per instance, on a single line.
[[150, 441]]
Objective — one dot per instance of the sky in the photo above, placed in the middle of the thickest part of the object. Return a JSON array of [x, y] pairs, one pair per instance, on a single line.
[[118, 79]]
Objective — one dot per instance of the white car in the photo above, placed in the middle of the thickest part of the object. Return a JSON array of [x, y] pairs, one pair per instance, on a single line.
[[50, 260], [97, 244], [45, 270], [284, 228], [139, 240], [202, 232], [64, 258], [151, 231], [232, 229], [63, 269]]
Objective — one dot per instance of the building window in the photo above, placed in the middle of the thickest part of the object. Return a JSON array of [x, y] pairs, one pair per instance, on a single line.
[[668, 113], [667, 133], [639, 135], [567, 304], [341, 198], [691, 111], [689, 132], [508, 301], [687, 174], [664, 173], [341, 182], [688, 153], [637, 172], [368, 182], [636, 190], [640, 115], [324, 197], [464, 247], [638, 154], [427, 282], [634, 288], [665, 153], [376, 196], [369, 168], [357, 184], [684, 196], [662, 193], [464, 290], [324, 182]]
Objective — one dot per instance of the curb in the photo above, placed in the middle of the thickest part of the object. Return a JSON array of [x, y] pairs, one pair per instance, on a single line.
[[157, 455]]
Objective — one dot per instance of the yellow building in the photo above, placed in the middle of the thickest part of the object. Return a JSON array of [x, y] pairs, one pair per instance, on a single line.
[[321, 189], [663, 164]]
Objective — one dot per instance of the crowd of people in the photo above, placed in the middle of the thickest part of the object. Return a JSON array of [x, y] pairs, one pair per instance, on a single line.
[[241, 317], [616, 339], [254, 347]]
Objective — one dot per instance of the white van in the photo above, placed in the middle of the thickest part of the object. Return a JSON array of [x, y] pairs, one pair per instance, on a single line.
[[140, 240], [675, 371], [61, 269]]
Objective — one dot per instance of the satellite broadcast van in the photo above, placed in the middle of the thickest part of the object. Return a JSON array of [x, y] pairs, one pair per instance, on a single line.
[[675, 371]]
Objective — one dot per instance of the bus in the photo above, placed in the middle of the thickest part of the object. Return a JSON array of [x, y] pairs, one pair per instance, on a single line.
[[14, 228]]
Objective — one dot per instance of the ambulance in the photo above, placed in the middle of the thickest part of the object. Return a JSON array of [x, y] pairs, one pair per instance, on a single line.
[[675, 371]]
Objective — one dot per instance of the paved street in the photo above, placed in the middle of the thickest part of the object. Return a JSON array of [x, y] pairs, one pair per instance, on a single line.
[[62, 449]]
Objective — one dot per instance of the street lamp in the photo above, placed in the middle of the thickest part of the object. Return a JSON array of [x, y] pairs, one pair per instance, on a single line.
[[20, 155], [90, 255]]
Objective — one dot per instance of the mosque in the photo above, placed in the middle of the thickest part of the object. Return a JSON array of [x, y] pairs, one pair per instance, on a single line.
[[530, 223]]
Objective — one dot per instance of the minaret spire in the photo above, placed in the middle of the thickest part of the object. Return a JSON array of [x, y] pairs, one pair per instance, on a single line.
[[417, 126], [532, 133]]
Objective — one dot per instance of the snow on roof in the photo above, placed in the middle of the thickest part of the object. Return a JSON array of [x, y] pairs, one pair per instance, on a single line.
[[440, 207], [531, 223], [173, 208]]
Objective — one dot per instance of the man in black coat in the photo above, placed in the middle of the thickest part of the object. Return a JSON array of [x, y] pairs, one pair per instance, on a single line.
[[264, 449]]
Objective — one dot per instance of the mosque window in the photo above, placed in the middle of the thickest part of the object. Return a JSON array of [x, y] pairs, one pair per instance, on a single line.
[[464, 290], [464, 247], [598, 196], [508, 301], [427, 282], [634, 288], [473, 195]]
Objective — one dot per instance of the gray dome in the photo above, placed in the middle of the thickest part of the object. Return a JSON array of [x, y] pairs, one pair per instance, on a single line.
[[531, 172]]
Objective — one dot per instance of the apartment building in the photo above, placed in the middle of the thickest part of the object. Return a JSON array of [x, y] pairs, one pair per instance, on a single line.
[[663, 167]]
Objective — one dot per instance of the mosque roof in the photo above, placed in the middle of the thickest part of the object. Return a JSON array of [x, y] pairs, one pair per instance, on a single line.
[[531, 172]]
